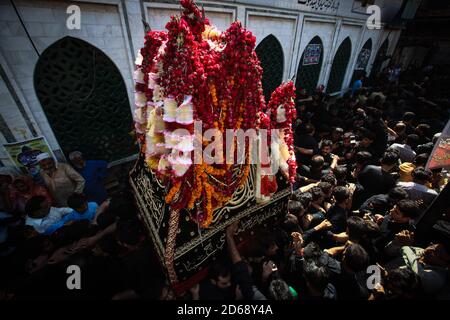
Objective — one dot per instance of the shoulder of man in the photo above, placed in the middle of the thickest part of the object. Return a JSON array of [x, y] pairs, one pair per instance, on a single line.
[[29, 221], [93, 205], [61, 210], [63, 166]]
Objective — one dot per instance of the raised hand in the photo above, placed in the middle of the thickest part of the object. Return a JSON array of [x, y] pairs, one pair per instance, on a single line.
[[325, 224], [232, 228], [404, 237], [268, 268]]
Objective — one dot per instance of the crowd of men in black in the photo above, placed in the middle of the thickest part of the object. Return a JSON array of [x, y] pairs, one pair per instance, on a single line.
[[362, 185], [348, 233]]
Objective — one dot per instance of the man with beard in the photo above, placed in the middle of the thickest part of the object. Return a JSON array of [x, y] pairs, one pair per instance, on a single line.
[[217, 286]]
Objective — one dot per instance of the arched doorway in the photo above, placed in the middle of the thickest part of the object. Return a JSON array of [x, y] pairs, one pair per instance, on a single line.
[[339, 66], [380, 58], [270, 54], [309, 67], [362, 61], [85, 100]]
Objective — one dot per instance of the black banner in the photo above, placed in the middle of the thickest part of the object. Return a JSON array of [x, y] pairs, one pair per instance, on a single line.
[[196, 248]]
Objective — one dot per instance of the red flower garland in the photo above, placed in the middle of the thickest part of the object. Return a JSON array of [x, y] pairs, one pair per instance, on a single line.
[[223, 76], [284, 96]]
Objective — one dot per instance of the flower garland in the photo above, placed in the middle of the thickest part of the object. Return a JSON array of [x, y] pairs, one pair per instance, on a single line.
[[282, 112], [193, 72]]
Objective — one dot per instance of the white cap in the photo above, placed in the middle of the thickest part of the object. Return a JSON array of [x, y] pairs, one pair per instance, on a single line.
[[43, 156]]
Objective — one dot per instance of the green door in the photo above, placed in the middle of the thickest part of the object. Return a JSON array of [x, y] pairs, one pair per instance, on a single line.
[[339, 66], [270, 54], [380, 58], [362, 61], [308, 70], [85, 100]]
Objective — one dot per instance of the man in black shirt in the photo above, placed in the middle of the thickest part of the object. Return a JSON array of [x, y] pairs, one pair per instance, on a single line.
[[325, 151], [351, 282], [422, 130], [218, 284], [240, 268], [377, 179], [315, 171], [381, 204], [337, 214], [317, 277], [375, 124], [345, 148], [366, 142], [408, 119], [400, 219], [305, 144], [337, 135]]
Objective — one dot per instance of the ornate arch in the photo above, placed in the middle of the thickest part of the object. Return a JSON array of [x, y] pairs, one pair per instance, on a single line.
[[85, 100], [271, 57], [339, 66], [309, 67], [380, 58], [362, 60]]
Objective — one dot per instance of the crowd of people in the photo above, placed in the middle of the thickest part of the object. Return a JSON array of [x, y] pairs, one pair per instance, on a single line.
[[349, 232], [63, 217], [362, 184]]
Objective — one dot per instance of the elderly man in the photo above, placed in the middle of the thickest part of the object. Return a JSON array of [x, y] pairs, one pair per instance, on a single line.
[[94, 172], [61, 179]]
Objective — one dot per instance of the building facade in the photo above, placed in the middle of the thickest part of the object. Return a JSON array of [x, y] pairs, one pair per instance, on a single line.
[[74, 86], [426, 38]]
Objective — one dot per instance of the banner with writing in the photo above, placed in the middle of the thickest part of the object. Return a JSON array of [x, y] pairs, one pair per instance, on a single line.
[[440, 157], [312, 54]]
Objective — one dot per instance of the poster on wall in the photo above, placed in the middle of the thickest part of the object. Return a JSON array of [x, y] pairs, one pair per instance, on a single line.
[[312, 54], [363, 59], [23, 154]]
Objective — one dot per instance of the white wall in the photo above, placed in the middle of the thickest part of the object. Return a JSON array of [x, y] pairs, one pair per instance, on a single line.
[[158, 15], [102, 25], [354, 32], [11, 115], [283, 28]]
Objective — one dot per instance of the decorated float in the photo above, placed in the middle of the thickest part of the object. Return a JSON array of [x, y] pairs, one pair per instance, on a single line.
[[211, 150]]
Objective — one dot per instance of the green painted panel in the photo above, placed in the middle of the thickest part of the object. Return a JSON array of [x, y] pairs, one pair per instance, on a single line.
[[270, 54], [380, 58], [85, 100], [339, 66], [362, 61], [308, 70]]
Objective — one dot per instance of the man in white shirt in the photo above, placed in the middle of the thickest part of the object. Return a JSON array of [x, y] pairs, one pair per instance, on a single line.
[[417, 190], [406, 152], [61, 179], [41, 216]]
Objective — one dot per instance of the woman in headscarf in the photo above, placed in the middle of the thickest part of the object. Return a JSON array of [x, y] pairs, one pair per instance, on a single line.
[[23, 188]]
